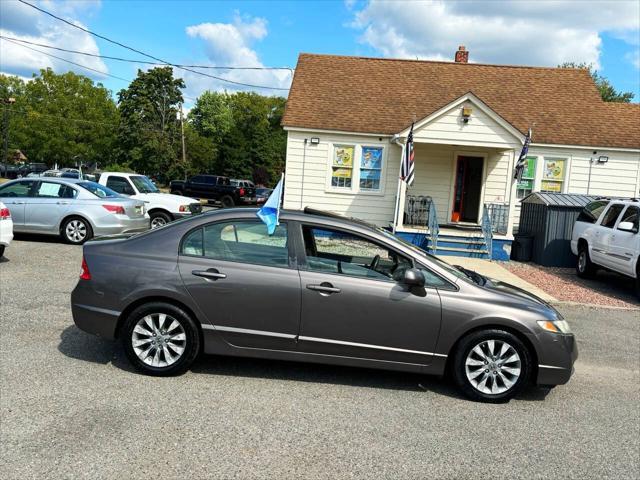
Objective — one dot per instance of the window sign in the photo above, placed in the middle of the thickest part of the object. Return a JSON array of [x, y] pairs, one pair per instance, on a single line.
[[525, 186], [370, 168], [553, 175], [342, 166]]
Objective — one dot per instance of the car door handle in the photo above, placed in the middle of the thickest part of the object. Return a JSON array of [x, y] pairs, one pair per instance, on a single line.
[[324, 287], [62, 202], [210, 274]]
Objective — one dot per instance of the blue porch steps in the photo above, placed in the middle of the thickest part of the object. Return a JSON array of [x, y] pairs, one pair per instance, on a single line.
[[454, 242]]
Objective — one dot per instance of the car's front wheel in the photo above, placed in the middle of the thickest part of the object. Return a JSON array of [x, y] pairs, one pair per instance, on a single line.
[[159, 219], [161, 339], [491, 365], [76, 230]]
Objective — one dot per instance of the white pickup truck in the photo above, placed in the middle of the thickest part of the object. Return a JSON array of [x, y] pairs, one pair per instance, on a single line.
[[162, 207]]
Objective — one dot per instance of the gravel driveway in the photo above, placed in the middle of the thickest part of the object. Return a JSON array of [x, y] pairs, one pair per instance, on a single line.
[[71, 407]]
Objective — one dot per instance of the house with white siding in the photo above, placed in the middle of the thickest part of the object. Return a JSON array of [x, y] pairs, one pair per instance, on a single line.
[[348, 119]]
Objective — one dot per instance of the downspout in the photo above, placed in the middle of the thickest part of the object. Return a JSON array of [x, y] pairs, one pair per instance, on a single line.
[[304, 161]]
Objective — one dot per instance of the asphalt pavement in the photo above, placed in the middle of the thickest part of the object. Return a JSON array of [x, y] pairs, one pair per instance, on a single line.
[[71, 407]]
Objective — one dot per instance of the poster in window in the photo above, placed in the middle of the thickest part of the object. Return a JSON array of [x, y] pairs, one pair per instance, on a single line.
[[371, 158], [551, 186], [343, 156], [554, 169], [341, 172]]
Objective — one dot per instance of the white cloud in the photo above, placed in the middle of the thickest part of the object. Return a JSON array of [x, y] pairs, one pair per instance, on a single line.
[[634, 58], [23, 22], [506, 32], [231, 45]]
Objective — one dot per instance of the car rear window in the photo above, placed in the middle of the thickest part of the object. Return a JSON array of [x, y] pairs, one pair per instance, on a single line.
[[98, 190], [592, 211]]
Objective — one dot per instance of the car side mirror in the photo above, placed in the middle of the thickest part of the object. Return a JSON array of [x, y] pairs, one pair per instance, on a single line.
[[627, 227], [413, 278]]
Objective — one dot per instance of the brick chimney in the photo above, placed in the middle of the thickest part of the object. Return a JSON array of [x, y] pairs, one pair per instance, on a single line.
[[462, 56]]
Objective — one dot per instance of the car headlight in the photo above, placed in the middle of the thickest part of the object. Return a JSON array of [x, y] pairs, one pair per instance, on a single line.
[[555, 326]]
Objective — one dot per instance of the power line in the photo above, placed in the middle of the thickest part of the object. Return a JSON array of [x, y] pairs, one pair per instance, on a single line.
[[131, 60], [77, 64], [164, 62]]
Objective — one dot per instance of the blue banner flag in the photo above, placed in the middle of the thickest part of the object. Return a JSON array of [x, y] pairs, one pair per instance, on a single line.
[[270, 211]]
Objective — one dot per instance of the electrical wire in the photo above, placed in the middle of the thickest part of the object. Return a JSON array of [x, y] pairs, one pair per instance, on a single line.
[[135, 50], [131, 60]]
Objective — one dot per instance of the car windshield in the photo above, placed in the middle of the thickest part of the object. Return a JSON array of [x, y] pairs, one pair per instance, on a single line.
[[98, 190], [143, 184], [444, 265]]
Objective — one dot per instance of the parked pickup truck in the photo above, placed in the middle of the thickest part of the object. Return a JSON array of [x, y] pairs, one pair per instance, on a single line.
[[162, 207], [213, 187]]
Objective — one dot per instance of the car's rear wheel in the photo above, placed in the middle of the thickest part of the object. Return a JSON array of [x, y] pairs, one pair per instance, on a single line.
[[161, 339], [227, 201], [76, 231], [159, 219], [1, 251], [491, 365], [585, 268], [637, 279]]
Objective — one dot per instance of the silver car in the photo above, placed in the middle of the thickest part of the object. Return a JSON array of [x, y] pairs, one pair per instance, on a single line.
[[76, 210]]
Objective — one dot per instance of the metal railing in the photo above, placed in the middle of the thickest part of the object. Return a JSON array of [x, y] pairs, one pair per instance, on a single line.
[[487, 230], [432, 223], [420, 211], [499, 216]]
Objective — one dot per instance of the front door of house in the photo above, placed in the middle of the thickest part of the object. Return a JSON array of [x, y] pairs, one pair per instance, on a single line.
[[467, 189]]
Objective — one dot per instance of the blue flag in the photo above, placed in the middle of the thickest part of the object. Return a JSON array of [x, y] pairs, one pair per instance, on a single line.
[[270, 211]]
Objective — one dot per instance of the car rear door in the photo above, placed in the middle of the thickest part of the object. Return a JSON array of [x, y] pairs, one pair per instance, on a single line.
[[601, 251], [48, 205], [623, 248], [352, 305], [15, 196], [244, 281]]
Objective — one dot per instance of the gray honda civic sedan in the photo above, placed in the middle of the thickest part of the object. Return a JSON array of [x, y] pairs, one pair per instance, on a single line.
[[322, 289]]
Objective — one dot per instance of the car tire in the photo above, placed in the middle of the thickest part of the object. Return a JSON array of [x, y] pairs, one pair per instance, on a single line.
[[227, 202], [76, 230], [1, 251], [160, 339], [637, 279], [176, 192], [491, 376], [585, 268], [159, 219]]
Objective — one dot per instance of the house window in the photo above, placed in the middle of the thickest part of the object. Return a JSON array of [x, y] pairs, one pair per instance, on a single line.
[[370, 168], [342, 166], [525, 186], [553, 174]]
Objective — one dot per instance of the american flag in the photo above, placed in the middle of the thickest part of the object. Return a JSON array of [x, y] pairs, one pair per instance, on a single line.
[[407, 172], [522, 160]]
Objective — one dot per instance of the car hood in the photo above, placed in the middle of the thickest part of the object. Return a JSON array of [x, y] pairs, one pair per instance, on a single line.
[[165, 197], [517, 295]]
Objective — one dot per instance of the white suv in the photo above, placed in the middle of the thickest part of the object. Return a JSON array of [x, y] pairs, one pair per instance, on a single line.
[[606, 235]]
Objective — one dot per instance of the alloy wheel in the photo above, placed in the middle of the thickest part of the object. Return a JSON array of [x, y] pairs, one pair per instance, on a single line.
[[493, 366], [76, 231], [582, 261], [158, 222], [158, 340]]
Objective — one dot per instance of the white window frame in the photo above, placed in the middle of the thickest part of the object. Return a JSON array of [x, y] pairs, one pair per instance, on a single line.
[[355, 178], [540, 171]]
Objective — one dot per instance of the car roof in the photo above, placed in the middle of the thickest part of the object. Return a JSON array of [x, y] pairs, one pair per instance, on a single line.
[[624, 201]]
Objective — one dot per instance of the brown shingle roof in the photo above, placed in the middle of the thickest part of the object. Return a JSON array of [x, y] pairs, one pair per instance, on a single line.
[[375, 95]]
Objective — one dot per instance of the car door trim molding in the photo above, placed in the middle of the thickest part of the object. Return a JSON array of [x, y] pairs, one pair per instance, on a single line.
[[248, 331], [551, 366], [367, 345]]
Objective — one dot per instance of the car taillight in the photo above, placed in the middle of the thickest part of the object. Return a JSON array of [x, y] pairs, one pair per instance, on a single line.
[[5, 214], [241, 191], [114, 209], [84, 271]]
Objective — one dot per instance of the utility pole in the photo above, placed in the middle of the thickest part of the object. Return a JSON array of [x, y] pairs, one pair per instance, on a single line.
[[5, 145], [184, 153]]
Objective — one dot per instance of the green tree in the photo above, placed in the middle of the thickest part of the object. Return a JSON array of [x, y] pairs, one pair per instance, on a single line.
[[211, 116], [149, 134], [61, 118], [607, 90]]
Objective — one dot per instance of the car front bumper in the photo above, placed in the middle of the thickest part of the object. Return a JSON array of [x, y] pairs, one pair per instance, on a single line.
[[556, 358]]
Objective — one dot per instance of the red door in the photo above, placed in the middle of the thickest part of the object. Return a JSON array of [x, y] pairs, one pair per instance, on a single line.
[[467, 189]]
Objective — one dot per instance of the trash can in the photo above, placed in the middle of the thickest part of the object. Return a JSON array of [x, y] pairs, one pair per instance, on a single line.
[[522, 249]]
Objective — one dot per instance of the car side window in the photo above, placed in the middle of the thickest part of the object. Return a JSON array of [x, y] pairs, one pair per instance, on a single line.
[[335, 251], [55, 190], [18, 189], [241, 241], [609, 219], [632, 214], [592, 211], [120, 185]]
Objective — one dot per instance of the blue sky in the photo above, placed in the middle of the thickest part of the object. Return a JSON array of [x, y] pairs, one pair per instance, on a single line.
[[262, 33]]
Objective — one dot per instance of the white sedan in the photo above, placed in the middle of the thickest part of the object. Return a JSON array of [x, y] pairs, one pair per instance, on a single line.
[[6, 228]]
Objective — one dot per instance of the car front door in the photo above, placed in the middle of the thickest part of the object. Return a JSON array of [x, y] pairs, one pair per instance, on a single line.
[[15, 196], [353, 305], [244, 281], [601, 251], [47, 206], [623, 248], [120, 184]]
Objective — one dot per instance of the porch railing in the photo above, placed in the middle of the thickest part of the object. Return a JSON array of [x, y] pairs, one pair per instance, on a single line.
[[432, 223], [499, 216], [487, 230], [420, 211]]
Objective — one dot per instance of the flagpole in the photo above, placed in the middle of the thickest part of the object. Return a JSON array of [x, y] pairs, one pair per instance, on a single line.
[[396, 212]]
